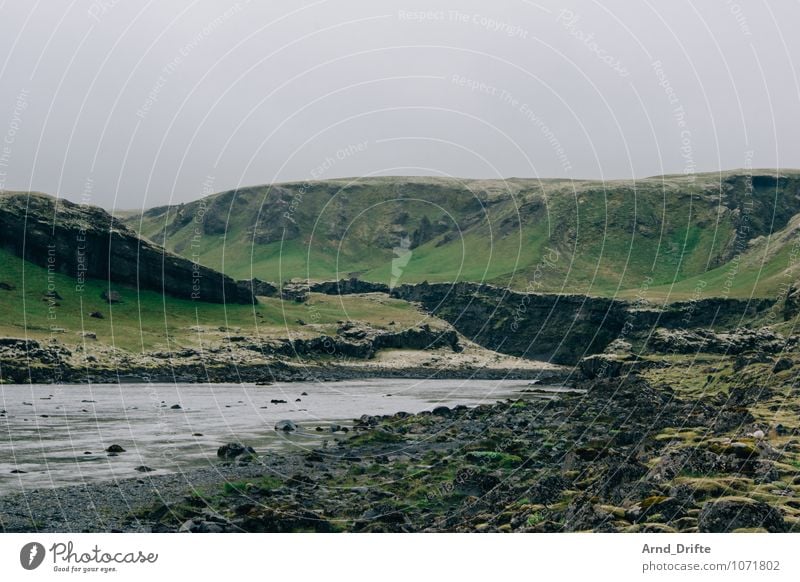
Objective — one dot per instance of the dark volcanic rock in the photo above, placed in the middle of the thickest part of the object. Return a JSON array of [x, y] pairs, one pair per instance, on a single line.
[[565, 328], [47, 232], [731, 513], [295, 291], [233, 450], [285, 426], [734, 342], [260, 288], [348, 287]]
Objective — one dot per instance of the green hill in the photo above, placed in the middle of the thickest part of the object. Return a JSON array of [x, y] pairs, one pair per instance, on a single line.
[[669, 233], [143, 320]]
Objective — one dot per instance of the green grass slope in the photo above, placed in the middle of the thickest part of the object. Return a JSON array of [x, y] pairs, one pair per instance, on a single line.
[[599, 238], [147, 320]]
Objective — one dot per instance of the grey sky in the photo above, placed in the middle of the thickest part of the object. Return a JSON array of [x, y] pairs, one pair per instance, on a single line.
[[130, 104]]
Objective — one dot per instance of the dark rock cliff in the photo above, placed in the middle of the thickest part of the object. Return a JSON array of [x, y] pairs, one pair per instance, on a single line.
[[565, 328], [83, 242]]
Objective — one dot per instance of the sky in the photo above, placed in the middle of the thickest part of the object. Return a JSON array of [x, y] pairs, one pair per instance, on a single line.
[[129, 105]]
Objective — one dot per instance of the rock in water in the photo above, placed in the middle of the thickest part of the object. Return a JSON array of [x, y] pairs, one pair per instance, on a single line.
[[285, 426], [115, 449], [233, 450]]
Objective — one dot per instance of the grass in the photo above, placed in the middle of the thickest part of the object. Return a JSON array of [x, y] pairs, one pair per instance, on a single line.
[[146, 320], [596, 238]]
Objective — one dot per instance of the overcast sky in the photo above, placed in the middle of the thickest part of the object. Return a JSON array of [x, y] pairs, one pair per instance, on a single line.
[[129, 104]]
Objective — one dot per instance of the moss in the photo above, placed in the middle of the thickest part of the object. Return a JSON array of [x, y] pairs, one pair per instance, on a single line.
[[495, 458], [653, 500], [376, 436], [535, 518]]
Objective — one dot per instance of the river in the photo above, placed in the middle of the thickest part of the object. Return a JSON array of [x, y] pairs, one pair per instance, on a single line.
[[55, 435]]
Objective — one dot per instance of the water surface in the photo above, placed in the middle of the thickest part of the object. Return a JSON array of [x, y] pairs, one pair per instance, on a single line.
[[58, 435]]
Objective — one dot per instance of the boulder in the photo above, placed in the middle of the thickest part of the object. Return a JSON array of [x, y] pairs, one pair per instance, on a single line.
[[233, 450], [783, 364], [285, 426], [110, 296], [115, 449], [296, 291]]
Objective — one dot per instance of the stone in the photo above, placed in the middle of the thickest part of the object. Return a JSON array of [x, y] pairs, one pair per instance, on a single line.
[[144, 469], [96, 315], [783, 364], [115, 449], [233, 450], [442, 411], [110, 296], [285, 426], [175, 407]]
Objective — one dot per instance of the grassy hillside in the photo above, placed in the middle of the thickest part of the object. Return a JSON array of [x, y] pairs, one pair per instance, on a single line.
[[600, 238], [148, 320]]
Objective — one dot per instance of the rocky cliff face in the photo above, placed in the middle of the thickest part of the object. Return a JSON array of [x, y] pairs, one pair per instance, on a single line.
[[83, 242], [565, 328]]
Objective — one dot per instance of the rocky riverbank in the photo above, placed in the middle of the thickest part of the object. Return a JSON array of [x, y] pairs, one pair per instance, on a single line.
[[623, 454], [353, 351]]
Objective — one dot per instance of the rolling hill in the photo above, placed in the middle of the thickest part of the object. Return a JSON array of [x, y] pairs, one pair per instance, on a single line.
[[730, 233]]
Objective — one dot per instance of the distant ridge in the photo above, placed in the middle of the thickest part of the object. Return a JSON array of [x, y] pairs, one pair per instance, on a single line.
[[84, 241]]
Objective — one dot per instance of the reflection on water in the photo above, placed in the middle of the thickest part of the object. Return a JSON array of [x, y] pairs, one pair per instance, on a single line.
[[57, 435]]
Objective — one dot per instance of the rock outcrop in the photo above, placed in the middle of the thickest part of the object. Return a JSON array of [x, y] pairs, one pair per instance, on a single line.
[[563, 328], [348, 287]]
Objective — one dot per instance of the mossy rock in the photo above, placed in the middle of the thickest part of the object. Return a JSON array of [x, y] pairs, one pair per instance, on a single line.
[[741, 450], [731, 513], [653, 500], [618, 512], [705, 487], [494, 458], [650, 528]]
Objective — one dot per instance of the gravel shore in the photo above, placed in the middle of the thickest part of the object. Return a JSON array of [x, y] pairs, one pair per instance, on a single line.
[[626, 454]]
